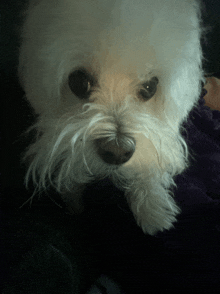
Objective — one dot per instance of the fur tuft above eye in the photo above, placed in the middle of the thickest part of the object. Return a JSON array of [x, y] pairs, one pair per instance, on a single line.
[[81, 83], [148, 89]]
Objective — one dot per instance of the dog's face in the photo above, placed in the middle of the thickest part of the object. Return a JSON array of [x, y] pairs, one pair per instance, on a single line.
[[111, 110], [112, 88]]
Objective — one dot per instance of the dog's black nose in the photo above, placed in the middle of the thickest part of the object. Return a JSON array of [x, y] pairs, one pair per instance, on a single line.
[[112, 152]]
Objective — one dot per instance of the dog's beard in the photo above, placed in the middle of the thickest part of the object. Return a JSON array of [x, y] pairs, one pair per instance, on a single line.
[[65, 153]]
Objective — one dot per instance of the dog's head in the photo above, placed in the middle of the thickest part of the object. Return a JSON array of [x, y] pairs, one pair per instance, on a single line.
[[112, 81]]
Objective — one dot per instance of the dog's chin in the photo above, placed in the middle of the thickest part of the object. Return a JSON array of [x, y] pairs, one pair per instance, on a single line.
[[147, 188]]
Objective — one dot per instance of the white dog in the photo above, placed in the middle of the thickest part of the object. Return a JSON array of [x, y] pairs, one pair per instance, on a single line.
[[112, 81]]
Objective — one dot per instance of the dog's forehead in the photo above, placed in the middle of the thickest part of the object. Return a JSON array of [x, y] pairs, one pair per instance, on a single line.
[[135, 36], [115, 59], [125, 53]]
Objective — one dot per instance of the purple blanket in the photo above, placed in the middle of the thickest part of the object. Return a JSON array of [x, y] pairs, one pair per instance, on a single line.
[[195, 242]]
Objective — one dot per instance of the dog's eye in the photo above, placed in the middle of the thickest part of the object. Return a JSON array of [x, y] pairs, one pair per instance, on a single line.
[[81, 83], [148, 89]]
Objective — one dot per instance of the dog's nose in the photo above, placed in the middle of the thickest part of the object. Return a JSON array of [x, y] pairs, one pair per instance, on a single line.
[[113, 153]]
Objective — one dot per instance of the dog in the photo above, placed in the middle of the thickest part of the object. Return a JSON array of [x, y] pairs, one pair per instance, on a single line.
[[112, 83]]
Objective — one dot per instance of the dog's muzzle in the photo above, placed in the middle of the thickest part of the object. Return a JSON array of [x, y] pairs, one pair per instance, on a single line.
[[113, 152]]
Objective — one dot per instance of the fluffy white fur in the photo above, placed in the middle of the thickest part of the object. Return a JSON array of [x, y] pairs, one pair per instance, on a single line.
[[122, 44]]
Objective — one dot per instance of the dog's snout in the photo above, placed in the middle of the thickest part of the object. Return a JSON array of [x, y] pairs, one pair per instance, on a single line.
[[113, 152]]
